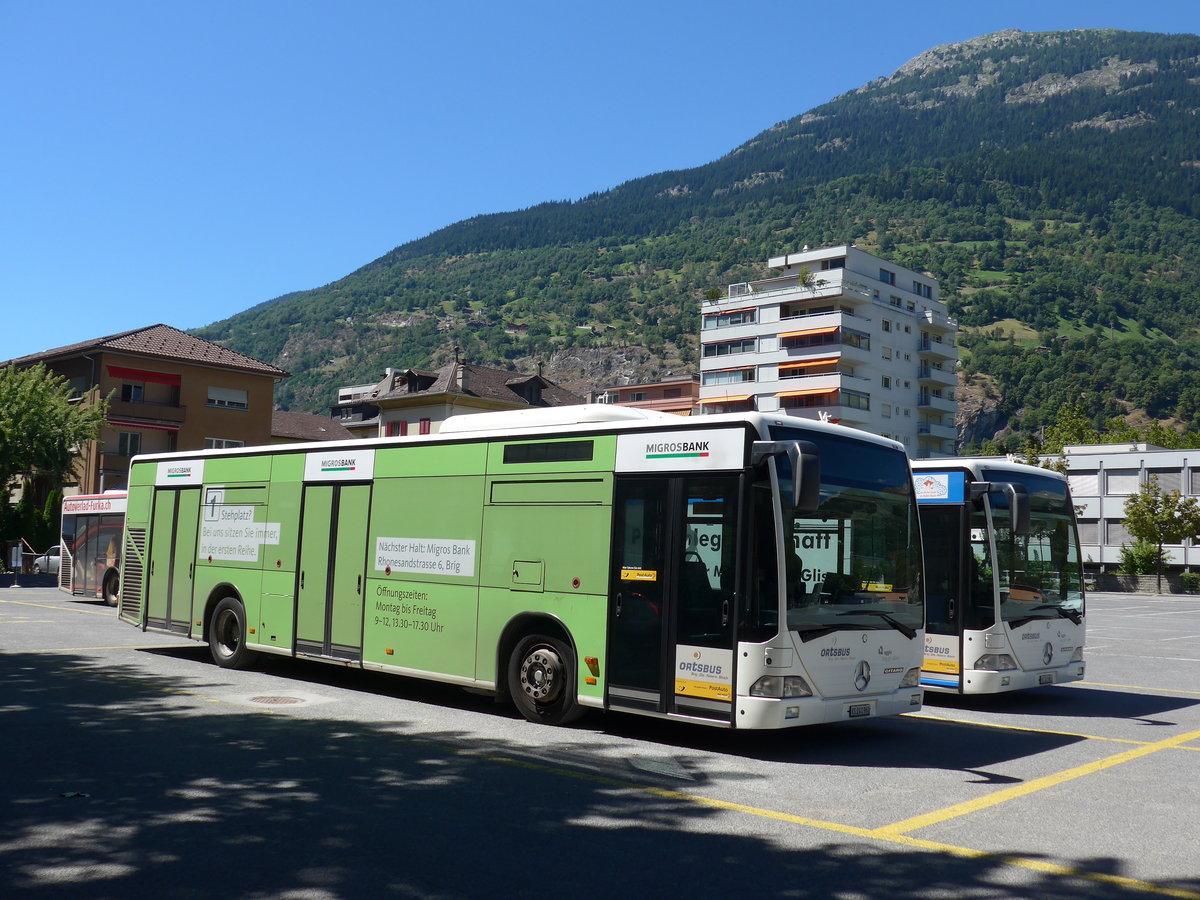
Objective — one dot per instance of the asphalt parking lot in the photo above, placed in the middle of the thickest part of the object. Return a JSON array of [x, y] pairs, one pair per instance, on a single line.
[[134, 767]]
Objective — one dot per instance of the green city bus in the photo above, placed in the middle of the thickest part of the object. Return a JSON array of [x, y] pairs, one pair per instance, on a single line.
[[742, 570]]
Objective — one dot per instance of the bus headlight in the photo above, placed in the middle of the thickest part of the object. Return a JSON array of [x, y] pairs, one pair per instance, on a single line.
[[780, 686], [995, 662], [911, 678], [1077, 656]]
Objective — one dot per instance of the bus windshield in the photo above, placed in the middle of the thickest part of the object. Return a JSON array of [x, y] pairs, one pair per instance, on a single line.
[[855, 564], [1039, 574]]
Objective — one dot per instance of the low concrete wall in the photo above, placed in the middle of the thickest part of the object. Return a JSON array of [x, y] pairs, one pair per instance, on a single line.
[[1144, 584]]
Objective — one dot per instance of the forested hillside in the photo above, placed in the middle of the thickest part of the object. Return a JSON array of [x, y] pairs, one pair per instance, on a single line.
[[1051, 182]]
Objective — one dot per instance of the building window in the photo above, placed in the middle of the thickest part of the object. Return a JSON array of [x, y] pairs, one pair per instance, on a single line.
[[129, 443], [724, 348], [886, 381], [229, 398], [887, 277], [885, 410], [425, 426], [672, 393], [894, 300], [221, 443], [397, 429], [839, 263], [637, 397], [1118, 482], [887, 325], [728, 376], [1089, 532], [132, 393], [819, 337], [735, 317], [852, 338], [1168, 479], [855, 399], [1116, 534]]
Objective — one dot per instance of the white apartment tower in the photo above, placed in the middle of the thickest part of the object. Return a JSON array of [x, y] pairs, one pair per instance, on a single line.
[[841, 335]]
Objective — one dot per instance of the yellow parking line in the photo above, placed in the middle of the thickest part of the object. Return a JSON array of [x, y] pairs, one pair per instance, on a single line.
[[108, 611], [1029, 787], [1001, 726], [886, 835], [1140, 690]]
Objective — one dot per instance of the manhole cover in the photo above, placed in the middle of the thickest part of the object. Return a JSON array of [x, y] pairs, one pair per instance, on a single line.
[[275, 701]]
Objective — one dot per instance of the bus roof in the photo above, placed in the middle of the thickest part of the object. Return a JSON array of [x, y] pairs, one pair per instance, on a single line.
[[588, 418]]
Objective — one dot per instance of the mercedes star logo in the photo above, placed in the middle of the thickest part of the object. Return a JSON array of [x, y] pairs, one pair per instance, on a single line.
[[862, 676]]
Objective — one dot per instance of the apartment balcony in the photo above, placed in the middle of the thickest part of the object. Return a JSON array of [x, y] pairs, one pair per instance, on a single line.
[[935, 377], [143, 411], [936, 404], [825, 286], [939, 321], [937, 432], [937, 349]]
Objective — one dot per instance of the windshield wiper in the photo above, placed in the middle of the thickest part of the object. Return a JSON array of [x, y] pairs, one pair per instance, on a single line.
[[811, 634], [1064, 613], [905, 630], [1071, 614]]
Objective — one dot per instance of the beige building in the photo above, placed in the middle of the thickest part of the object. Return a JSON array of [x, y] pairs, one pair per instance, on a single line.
[[414, 401], [679, 396], [167, 390], [302, 427]]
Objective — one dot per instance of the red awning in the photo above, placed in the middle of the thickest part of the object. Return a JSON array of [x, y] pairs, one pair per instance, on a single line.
[[142, 375]]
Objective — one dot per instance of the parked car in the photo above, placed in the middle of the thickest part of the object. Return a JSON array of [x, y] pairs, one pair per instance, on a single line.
[[47, 562]]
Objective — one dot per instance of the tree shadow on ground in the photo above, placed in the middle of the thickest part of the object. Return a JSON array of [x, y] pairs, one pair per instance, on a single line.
[[119, 783]]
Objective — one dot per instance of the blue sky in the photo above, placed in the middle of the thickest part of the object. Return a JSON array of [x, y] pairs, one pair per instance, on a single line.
[[181, 161]]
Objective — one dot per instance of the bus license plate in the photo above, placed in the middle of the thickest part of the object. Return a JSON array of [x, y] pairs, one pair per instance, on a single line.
[[859, 709], [1048, 678]]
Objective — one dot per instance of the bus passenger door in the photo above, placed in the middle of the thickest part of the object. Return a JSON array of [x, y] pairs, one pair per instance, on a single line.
[[172, 558], [947, 593], [671, 595], [331, 574]]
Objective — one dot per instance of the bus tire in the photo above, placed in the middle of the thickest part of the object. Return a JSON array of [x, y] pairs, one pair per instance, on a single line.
[[227, 635], [112, 589], [541, 680]]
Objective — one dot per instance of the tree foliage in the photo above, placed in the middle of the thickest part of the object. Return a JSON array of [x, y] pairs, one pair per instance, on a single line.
[[42, 429], [1161, 517]]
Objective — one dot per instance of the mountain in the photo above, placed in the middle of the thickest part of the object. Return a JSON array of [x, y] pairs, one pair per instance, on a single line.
[[1050, 181]]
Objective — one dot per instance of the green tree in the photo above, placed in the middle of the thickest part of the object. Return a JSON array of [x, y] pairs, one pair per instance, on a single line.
[[1159, 517], [42, 428]]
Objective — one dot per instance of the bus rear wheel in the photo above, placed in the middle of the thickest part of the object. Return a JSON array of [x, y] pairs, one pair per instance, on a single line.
[[227, 635], [541, 679]]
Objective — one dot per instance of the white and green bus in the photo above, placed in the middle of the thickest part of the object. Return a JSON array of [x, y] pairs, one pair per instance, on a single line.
[[749, 571], [1003, 575]]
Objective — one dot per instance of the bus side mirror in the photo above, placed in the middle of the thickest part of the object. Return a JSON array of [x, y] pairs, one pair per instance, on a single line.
[[1018, 500], [806, 469]]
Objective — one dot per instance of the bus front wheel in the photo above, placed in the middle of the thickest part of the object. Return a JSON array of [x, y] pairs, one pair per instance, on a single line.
[[112, 587], [227, 635], [541, 679]]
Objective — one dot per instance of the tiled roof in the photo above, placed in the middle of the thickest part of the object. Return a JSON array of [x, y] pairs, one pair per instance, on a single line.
[[161, 342], [307, 427], [467, 379]]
